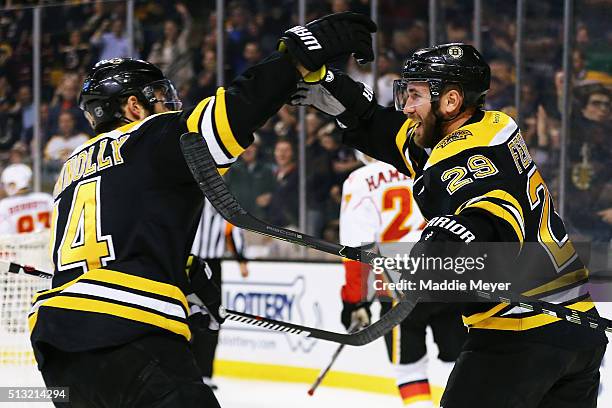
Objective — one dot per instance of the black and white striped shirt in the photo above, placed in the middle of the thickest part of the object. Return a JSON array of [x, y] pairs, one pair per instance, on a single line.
[[215, 234]]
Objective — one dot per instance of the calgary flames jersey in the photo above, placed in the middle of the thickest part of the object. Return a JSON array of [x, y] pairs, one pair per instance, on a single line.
[[25, 213], [126, 212], [485, 167], [377, 207]]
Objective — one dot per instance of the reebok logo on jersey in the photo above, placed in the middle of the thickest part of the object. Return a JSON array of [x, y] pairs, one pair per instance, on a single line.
[[307, 38], [453, 226]]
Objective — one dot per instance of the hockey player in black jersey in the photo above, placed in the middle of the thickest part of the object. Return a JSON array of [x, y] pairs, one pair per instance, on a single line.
[[113, 328], [476, 182]]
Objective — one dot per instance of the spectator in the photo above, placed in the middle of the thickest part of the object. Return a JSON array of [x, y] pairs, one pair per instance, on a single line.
[[252, 53], [172, 54], [237, 36], [25, 108], [99, 15], [252, 182], [319, 177], [65, 100], [10, 123], [284, 203], [60, 146], [75, 54], [501, 91], [113, 43], [590, 206]]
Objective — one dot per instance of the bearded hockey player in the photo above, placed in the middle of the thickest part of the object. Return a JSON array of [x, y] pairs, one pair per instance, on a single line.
[[113, 328], [472, 169], [23, 211], [378, 207]]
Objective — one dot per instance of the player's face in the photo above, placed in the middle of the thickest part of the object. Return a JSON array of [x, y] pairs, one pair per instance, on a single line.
[[418, 108]]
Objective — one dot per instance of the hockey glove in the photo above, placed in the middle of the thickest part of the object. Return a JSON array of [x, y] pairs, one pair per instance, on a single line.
[[206, 296], [340, 96], [330, 37], [355, 312]]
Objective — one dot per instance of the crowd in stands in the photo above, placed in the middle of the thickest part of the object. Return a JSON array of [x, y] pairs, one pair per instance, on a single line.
[[180, 37]]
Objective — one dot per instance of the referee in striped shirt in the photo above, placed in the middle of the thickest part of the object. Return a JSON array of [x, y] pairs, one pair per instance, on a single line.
[[213, 237]]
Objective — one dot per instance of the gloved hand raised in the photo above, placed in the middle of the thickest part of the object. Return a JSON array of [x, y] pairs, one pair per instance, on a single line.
[[328, 38]]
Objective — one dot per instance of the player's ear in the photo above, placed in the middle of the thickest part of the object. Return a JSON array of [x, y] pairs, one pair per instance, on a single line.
[[452, 101], [133, 110]]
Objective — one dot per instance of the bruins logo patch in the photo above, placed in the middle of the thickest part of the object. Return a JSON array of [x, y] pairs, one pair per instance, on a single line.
[[456, 135]]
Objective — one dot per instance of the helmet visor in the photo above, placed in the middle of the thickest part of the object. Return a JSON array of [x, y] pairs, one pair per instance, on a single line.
[[163, 91], [410, 94]]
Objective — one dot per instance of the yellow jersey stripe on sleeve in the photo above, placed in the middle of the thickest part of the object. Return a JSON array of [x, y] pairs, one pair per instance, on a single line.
[[500, 212], [400, 141], [224, 129], [194, 119]]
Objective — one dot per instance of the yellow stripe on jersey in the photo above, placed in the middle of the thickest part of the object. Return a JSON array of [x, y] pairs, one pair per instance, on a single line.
[[526, 323], [494, 128], [126, 312], [500, 212], [225, 131], [126, 281], [565, 280], [515, 218], [114, 134], [477, 317], [400, 141], [194, 119]]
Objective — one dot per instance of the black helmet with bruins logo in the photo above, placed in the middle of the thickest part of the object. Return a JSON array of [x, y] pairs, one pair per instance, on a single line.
[[111, 80], [454, 63]]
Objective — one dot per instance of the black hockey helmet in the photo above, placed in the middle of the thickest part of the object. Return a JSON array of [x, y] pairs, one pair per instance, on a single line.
[[110, 80], [454, 63]]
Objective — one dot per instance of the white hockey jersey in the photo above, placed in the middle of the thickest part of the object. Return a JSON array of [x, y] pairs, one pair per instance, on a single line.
[[378, 206], [25, 213]]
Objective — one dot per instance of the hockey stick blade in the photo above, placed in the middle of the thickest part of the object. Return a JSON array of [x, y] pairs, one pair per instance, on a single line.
[[360, 338], [211, 183], [8, 266]]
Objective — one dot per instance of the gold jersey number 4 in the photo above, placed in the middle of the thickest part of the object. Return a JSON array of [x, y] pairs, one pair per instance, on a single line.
[[83, 244]]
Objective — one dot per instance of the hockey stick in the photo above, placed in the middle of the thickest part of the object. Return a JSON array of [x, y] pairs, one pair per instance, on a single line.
[[357, 339], [8, 266], [324, 371], [204, 170]]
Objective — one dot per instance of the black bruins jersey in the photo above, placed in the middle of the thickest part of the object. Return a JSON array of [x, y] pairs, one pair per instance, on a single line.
[[485, 167], [126, 212]]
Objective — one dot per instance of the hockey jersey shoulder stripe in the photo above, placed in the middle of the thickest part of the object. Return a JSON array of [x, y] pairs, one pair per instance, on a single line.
[[401, 139], [120, 131], [493, 129]]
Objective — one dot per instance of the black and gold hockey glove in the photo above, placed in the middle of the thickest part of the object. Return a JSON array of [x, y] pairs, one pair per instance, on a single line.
[[330, 37]]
